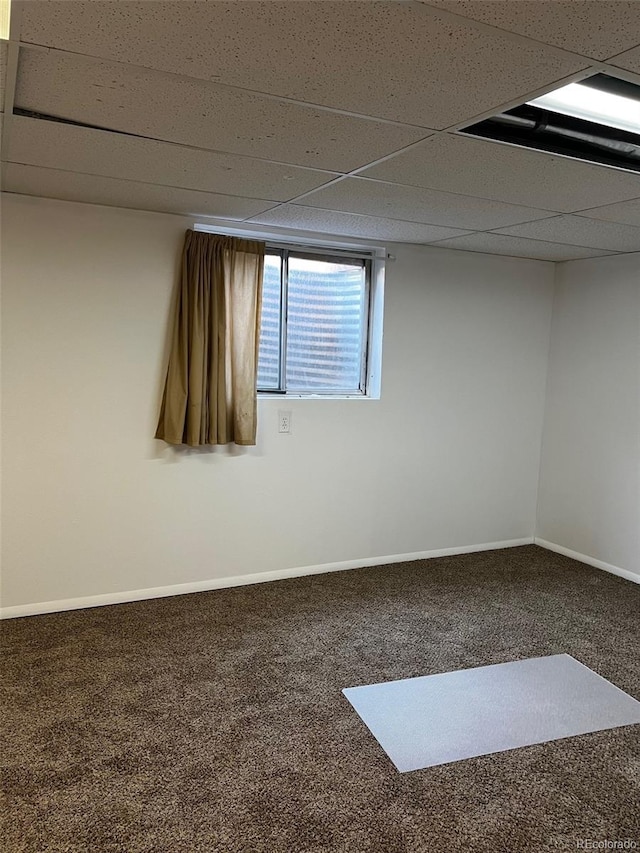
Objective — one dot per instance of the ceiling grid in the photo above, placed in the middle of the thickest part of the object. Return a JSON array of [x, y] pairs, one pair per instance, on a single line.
[[333, 116]]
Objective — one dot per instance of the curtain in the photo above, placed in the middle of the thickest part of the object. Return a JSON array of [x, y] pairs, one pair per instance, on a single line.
[[210, 389]]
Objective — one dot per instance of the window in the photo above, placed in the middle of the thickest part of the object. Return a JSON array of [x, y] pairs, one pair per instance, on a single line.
[[315, 330]]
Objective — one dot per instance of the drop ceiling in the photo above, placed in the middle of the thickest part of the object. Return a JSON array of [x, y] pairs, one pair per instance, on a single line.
[[335, 117]]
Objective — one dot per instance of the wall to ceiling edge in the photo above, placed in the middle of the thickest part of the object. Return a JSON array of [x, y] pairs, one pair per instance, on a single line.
[[95, 510]]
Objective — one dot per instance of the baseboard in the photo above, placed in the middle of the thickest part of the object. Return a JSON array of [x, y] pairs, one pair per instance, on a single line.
[[242, 580], [590, 561]]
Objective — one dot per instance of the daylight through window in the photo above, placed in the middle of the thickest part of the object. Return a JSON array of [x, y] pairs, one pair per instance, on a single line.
[[315, 317]]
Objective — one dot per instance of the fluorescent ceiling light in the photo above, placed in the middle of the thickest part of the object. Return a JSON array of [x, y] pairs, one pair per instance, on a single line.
[[585, 102], [5, 17]]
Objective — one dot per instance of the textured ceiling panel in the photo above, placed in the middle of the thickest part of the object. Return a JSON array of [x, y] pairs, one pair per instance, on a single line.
[[506, 173], [73, 186], [352, 225], [195, 112], [594, 28], [518, 247], [629, 60], [178, 74], [356, 195], [98, 152], [581, 231], [626, 212], [400, 61]]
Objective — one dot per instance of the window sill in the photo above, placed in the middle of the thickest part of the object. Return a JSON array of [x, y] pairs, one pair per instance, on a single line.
[[266, 395]]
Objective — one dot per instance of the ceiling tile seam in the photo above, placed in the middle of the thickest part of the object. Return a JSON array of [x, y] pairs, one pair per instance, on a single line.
[[594, 65], [513, 36], [591, 211], [431, 189], [596, 219], [431, 11], [574, 77], [437, 244], [218, 151], [563, 214], [491, 29], [518, 147], [495, 230], [534, 240], [456, 134], [332, 183], [378, 160], [268, 96], [270, 210], [579, 74], [501, 233], [421, 222], [283, 202], [188, 215], [146, 183], [466, 231], [441, 245], [621, 73], [622, 53], [356, 172], [253, 215], [558, 215]]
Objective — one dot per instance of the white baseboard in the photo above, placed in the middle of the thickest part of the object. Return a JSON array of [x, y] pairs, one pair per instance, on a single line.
[[590, 561], [242, 580]]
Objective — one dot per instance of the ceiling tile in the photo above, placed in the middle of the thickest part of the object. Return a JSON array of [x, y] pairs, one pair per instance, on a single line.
[[73, 186], [626, 212], [199, 113], [580, 231], [358, 195], [506, 173], [369, 58], [595, 28], [629, 60], [518, 247], [353, 225], [98, 152]]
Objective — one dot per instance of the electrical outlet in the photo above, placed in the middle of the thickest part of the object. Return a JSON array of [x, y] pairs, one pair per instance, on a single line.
[[284, 421]]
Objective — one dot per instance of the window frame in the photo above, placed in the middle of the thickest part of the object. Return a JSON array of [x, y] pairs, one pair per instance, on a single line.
[[322, 243], [331, 255]]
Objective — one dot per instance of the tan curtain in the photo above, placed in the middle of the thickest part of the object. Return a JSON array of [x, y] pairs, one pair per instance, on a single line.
[[210, 390]]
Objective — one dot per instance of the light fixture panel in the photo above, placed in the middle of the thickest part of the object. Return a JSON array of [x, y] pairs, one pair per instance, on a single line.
[[585, 102], [5, 18], [596, 119]]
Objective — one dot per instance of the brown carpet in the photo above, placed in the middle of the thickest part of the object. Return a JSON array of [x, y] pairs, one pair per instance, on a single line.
[[214, 722]]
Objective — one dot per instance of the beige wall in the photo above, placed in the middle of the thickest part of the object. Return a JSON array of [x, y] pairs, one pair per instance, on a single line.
[[448, 458], [590, 475]]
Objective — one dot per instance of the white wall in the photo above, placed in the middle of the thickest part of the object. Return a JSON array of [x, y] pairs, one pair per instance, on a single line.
[[590, 475], [448, 458]]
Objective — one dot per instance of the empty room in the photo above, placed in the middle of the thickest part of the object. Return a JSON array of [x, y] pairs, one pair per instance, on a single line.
[[320, 426]]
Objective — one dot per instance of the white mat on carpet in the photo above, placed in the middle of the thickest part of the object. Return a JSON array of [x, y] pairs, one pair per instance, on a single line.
[[436, 719]]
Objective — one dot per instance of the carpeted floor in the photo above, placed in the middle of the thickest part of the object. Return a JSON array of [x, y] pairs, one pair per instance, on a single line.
[[214, 723]]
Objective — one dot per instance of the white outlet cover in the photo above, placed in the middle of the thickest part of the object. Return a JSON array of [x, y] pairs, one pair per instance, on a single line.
[[284, 421]]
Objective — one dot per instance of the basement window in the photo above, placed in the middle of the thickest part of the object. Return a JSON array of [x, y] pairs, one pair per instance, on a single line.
[[596, 119], [317, 323], [322, 307]]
